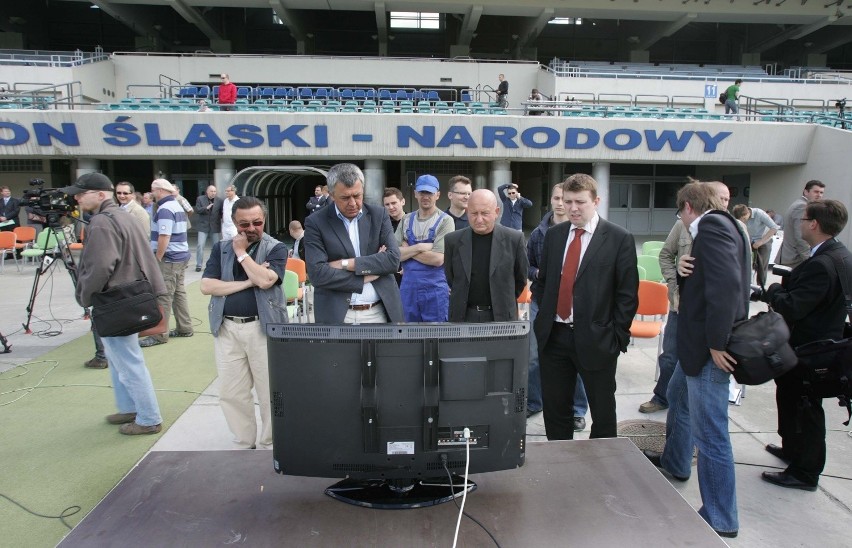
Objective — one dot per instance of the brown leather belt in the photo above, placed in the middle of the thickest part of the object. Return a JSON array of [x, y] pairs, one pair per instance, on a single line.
[[242, 319], [362, 307]]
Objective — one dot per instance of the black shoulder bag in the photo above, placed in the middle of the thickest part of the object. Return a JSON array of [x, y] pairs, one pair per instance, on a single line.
[[126, 308], [827, 364]]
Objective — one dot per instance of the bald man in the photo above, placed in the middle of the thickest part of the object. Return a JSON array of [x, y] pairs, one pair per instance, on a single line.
[[486, 264]]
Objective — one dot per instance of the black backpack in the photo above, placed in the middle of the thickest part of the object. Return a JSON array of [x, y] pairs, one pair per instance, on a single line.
[[723, 97]]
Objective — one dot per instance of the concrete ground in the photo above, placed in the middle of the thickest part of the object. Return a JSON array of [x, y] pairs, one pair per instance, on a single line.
[[769, 516]]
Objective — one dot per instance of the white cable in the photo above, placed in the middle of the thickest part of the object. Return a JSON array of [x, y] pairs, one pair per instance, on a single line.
[[464, 493]]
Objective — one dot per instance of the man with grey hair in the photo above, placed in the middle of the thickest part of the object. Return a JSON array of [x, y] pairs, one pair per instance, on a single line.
[[208, 208], [353, 255]]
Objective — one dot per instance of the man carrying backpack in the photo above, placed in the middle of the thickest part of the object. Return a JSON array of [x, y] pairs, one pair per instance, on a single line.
[[813, 304]]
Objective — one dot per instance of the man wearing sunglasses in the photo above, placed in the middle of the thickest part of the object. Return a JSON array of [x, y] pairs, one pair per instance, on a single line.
[[243, 277], [126, 196]]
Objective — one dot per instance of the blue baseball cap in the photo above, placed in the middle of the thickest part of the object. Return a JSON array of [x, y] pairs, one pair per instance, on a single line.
[[426, 183]]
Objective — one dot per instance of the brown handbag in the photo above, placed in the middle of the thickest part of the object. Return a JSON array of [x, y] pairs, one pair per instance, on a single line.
[[158, 329]]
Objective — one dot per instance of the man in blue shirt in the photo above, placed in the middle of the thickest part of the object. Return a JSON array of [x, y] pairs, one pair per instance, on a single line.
[[513, 206], [169, 244]]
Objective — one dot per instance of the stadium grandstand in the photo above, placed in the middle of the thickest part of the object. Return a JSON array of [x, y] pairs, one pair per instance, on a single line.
[[630, 96]]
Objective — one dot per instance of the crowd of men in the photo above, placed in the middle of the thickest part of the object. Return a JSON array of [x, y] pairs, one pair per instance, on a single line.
[[470, 263]]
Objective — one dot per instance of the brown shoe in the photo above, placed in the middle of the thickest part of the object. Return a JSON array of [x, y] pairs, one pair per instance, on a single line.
[[134, 429], [97, 363], [121, 418]]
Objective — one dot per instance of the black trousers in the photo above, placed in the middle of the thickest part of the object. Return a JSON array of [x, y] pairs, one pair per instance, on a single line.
[[559, 369], [801, 425]]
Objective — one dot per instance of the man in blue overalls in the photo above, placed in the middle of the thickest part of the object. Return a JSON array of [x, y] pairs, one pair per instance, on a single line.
[[424, 290]]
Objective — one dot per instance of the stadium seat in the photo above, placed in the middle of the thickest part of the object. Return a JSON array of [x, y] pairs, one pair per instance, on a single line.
[[651, 244], [369, 106], [387, 107], [651, 265], [424, 107], [7, 245], [653, 301], [350, 106]]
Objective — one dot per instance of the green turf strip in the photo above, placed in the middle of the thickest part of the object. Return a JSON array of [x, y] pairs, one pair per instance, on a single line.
[[56, 449]]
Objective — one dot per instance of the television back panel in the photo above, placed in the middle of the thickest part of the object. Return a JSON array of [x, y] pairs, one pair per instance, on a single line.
[[385, 401]]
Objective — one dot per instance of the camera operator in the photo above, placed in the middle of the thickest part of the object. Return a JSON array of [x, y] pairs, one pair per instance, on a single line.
[[117, 252], [813, 305]]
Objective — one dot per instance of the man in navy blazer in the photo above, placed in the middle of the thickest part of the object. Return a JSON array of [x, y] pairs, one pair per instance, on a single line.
[[513, 206], [813, 304], [595, 328], [714, 294], [352, 255]]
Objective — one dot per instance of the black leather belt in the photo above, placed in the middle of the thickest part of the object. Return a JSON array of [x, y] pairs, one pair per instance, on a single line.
[[361, 307], [567, 325], [242, 319], [479, 308]]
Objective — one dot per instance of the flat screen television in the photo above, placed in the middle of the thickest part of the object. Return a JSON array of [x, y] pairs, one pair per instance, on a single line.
[[385, 406]]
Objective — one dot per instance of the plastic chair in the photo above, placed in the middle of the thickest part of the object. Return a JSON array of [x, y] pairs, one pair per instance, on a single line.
[[78, 246], [300, 269], [651, 245], [643, 274], [7, 245], [651, 265], [45, 243], [524, 303], [653, 301], [290, 286], [25, 236]]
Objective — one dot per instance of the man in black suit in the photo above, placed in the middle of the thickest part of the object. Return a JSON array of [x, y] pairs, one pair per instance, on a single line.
[[486, 265], [316, 201], [590, 294], [10, 208], [813, 304], [208, 222], [352, 255], [714, 293]]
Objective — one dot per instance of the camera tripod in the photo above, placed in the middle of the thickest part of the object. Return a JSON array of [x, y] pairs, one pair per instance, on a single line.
[[49, 261]]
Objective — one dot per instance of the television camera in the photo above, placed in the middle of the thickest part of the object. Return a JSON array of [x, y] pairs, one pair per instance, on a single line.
[[840, 104], [50, 203]]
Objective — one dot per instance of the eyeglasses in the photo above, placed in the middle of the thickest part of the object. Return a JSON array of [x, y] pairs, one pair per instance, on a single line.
[[246, 224], [805, 219], [123, 193]]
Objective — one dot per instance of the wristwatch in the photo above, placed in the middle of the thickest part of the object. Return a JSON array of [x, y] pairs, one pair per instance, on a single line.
[[242, 257], [345, 264]]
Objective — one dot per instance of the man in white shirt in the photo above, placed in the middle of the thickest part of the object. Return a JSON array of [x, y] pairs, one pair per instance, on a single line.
[[229, 229]]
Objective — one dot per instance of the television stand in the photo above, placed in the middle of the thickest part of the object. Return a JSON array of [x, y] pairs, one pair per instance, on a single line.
[[398, 494]]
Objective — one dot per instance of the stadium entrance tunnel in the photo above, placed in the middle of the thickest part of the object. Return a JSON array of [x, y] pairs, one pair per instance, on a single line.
[[285, 189]]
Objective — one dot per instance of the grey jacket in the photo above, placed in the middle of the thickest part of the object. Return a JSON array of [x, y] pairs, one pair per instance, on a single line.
[[116, 252], [208, 220], [271, 306], [794, 250]]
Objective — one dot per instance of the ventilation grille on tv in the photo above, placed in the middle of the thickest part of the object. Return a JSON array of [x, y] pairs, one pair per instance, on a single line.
[[440, 466], [357, 467], [521, 400], [277, 404], [391, 332]]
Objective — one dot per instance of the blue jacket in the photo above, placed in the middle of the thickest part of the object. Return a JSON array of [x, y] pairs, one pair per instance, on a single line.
[[513, 214], [535, 246]]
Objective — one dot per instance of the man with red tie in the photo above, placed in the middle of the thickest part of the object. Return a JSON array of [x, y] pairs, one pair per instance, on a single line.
[[591, 285]]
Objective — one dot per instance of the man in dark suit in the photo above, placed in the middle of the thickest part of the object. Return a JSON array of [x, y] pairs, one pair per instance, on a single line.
[[316, 201], [352, 255], [10, 208], [485, 264], [714, 294], [590, 294], [208, 222], [813, 304]]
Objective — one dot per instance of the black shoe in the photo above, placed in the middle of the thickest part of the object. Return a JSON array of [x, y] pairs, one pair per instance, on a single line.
[[777, 451], [530, 412], [579, 424], [176, 333], [783, 479], [655, 457], [727, 534], [148, 342], [198, 269]]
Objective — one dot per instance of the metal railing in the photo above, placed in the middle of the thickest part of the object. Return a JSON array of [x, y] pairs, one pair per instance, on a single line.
[[40, 58]]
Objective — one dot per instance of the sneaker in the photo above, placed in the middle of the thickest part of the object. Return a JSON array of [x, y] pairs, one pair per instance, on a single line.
[[176, 333], [121, 418], [134, 429], [198, 269], [150, 341], [579, 424], [97, 363], [652, 407]]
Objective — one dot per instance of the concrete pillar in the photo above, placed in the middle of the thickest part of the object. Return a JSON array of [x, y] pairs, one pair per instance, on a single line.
[[86, 165], [600, 171], [480, 175], [376, 180], [555, 175], [501, 174], [223, 172]]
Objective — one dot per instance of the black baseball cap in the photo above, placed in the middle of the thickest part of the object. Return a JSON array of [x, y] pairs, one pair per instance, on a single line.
[[89, 181]]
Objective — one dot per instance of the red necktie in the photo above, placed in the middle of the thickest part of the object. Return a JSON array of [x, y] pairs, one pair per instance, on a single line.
[[569, 273]]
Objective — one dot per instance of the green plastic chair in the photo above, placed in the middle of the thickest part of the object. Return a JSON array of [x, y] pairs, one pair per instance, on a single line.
[[651, 265], [290, 286], [45, 243], [654, 252], [651, 245], [643, 274]]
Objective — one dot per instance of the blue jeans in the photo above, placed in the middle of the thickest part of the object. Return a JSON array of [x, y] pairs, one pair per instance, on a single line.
[[134, 391], [667, 360], [199, 249], [698, 417], [581, 403]]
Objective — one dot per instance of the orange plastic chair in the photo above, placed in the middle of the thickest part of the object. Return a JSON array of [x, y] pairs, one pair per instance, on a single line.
[[299, 268], [25, 236], [524, 303], [7, 245], [78, 246], [653, 301]]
